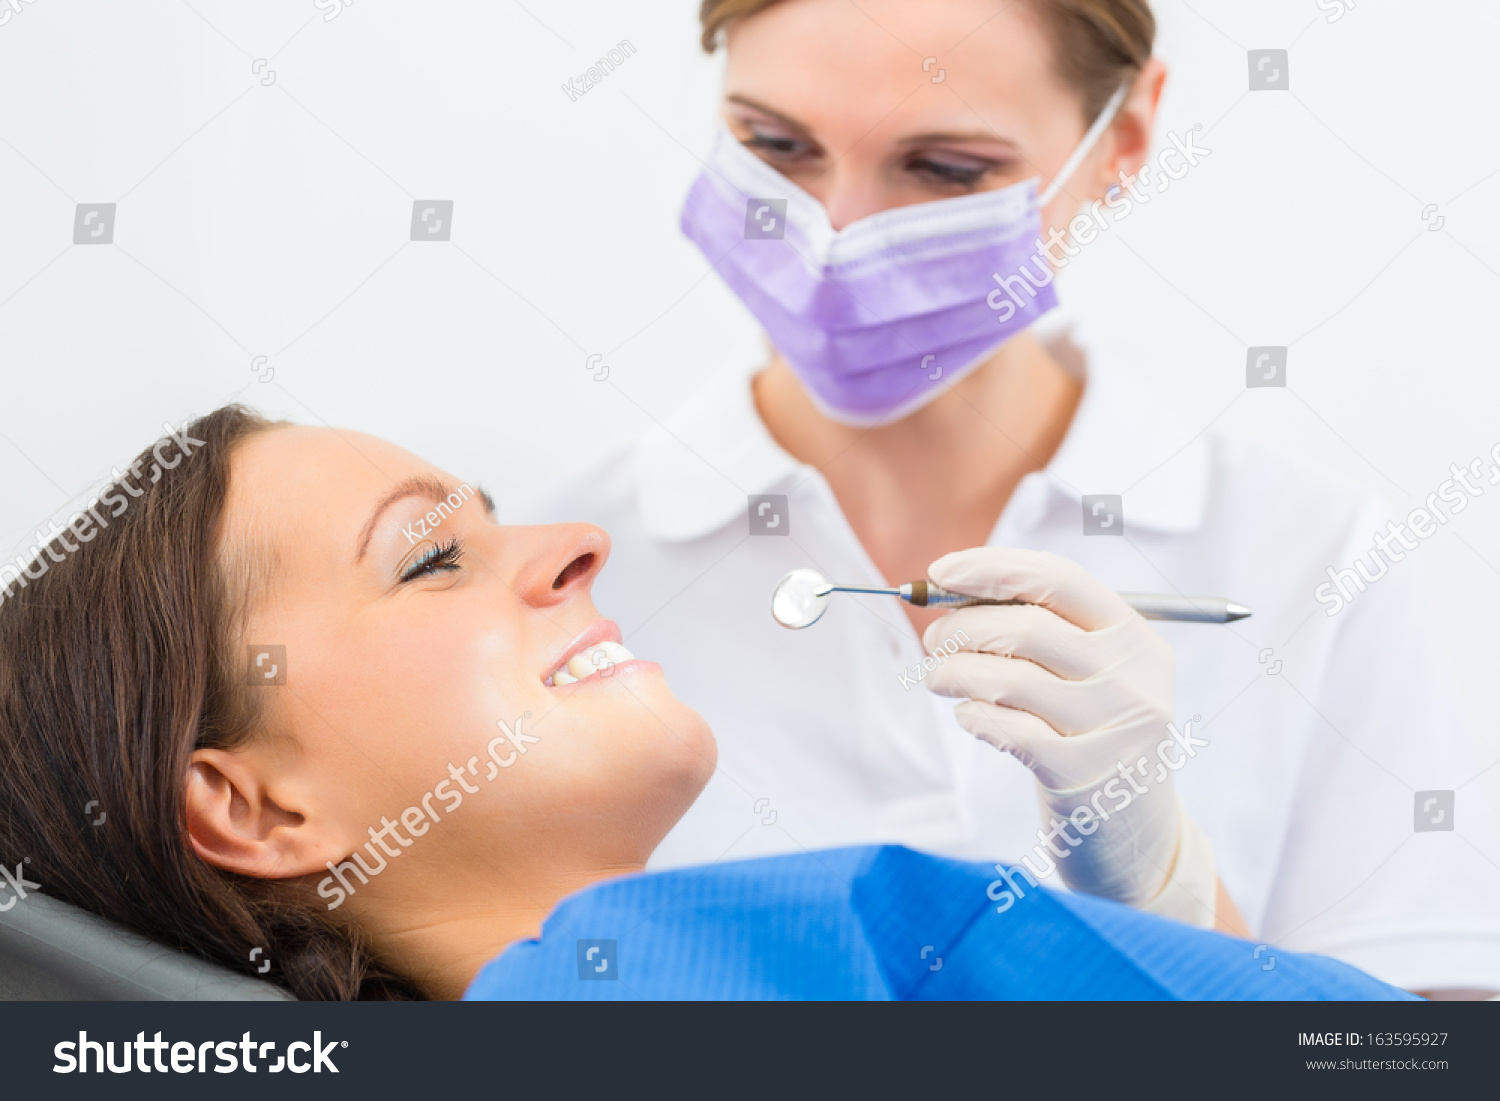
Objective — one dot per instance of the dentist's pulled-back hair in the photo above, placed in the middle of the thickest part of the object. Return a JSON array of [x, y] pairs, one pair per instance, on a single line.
[[1097, 44], [116, 662]]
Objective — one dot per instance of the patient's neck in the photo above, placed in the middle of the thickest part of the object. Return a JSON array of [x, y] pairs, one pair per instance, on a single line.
[[441, 939]]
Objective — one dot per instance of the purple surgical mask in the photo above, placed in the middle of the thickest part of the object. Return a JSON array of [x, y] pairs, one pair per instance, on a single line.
[[876, 318]]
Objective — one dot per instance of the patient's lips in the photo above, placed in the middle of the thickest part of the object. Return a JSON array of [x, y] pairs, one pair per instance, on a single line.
[[594, 652], [598, 658]]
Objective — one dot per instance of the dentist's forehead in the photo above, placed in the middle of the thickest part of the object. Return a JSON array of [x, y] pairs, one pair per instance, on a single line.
[[986, 72]]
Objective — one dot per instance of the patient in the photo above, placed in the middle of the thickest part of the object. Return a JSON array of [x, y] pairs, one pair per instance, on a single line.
[[333, 712]]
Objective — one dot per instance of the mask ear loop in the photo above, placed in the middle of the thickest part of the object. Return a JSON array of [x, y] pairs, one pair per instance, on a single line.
[[1086, 146]]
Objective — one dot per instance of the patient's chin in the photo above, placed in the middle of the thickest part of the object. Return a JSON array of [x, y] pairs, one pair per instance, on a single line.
[[663, 713], [687, 755], [680, 784]]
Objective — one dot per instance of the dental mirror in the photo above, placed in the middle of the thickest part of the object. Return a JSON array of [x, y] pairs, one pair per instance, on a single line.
[[800, 599]]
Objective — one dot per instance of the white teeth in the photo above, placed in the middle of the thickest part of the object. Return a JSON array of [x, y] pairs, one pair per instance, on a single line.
[[580, 665], [601, 657]]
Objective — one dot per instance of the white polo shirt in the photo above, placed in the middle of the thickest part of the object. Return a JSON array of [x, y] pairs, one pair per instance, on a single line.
[[1321, 730]]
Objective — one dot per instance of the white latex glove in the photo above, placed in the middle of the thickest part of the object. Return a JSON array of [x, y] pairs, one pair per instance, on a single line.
[[1076, 686]]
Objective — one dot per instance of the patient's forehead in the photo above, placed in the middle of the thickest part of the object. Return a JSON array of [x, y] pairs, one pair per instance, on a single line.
[[314, 480], [298, 497]]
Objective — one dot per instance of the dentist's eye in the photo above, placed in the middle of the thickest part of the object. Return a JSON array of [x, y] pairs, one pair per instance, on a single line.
[[435, 561], [949, 173], [777, 147]]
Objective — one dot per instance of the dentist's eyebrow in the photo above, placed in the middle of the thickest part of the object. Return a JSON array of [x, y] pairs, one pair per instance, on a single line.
[[755, 105], [953, 137], [419, 485], [958, 137]]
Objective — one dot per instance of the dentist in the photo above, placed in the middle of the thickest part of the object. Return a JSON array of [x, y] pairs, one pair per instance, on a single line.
[[893, 190]]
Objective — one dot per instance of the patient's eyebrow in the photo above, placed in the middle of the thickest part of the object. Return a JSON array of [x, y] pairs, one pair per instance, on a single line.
[[419, 485]]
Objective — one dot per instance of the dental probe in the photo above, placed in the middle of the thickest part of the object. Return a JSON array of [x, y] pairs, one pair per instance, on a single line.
[[1188, 609], [801, 597]]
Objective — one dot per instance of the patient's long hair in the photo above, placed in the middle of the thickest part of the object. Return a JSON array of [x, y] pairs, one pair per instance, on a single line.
[[116, 663]]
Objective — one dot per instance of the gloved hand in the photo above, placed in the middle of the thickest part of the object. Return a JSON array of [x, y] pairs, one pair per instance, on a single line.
[[1076, 686]]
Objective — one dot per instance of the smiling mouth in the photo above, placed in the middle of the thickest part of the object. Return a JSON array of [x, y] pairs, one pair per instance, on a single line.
[[598, 658]]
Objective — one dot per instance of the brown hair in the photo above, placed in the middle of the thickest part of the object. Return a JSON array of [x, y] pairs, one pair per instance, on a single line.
[[1097, 44], [117, 661]]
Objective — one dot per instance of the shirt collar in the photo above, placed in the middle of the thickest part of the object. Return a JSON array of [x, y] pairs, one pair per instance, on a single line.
[[697, 468], [1125, 439]]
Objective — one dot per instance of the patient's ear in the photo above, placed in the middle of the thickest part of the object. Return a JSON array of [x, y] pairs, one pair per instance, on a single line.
[[236, 823]]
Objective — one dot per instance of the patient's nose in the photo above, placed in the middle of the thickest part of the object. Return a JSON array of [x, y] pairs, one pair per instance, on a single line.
[[567, 559]]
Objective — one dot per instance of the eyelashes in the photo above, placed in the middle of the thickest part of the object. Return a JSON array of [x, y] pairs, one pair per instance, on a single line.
[[772, 143], [966, 176], [935, 172], [783, 152], [436, 560]]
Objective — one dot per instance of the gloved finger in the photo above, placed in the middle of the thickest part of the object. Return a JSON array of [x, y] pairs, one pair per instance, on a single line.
[[1019, 631], [1036, 577], [1060, 763], [1021, 734], [1069, 707]]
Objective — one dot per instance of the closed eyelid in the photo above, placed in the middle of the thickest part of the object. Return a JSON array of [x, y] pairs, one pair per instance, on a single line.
[[421, 485], [428, 552]]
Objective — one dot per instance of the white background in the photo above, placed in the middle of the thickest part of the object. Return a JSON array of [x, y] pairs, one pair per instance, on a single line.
[[272, 219]]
